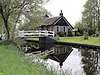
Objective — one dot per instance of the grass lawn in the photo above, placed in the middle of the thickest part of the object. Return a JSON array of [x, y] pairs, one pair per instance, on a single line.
[[13, 62], [91, 40], [36, 39], [80, 40]]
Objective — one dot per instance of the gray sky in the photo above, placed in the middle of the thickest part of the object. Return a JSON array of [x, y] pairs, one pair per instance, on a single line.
[[71, 9]]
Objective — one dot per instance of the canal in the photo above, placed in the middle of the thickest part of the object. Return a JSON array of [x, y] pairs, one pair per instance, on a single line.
[[63, 58]]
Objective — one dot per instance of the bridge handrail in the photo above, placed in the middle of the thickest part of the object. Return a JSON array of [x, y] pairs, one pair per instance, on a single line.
[[36, 33]]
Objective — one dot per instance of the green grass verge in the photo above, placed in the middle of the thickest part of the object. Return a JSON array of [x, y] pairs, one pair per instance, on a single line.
[[36, 39], [13, 62], [91, 40]]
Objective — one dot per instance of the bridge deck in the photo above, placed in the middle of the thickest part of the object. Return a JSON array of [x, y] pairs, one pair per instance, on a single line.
[[36, 34]]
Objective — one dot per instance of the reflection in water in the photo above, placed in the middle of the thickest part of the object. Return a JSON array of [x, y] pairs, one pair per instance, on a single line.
[[60, 53], [44, 46], [78, 61], [91, 61], [65, 58]]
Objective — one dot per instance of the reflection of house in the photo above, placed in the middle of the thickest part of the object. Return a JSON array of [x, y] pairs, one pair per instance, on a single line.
[[57, 24], [60, 53]]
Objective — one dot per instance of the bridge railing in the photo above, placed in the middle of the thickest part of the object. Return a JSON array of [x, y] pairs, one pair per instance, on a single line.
[[36, 33]]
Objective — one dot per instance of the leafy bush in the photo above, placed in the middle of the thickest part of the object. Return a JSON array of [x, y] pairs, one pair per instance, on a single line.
[[79, 34], [70, 33], [61, 34], [85, 35]]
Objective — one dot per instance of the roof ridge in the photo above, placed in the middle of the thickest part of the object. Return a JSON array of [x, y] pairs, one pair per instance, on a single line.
[[54, 17]]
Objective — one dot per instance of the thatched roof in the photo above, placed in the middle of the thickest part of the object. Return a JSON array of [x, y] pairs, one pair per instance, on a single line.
[[55, 20], [50, 21]]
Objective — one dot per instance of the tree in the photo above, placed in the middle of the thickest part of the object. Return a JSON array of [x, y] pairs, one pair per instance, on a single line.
[[91, 16], [2, 29], [79, 27], [0, 24], [33, 20], [13, 9]]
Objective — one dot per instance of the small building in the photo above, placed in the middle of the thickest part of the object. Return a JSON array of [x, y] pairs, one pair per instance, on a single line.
[[58, 24]]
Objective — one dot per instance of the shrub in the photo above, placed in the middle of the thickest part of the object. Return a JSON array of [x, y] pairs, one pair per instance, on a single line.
[[61, 34], [70, 33], [85, 35]]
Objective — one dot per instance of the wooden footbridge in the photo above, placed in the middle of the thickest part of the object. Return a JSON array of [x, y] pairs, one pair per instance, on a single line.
[[36, 33], [43, 35]]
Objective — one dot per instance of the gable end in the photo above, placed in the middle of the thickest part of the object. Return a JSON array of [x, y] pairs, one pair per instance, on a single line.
[[62, 22]]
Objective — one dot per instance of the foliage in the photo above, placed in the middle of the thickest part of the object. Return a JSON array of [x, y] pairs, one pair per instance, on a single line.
[[13, 62], [85, 35], [1, 25], [79, 27], [33, 19], [61, 34], [91, 16], [14, 12], [70, 33]]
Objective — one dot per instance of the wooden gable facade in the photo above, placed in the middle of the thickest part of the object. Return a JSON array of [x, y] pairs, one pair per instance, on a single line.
[[57, 24]]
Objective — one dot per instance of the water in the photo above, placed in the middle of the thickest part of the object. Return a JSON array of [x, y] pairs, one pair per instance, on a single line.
[[76, 61], [72, 63]]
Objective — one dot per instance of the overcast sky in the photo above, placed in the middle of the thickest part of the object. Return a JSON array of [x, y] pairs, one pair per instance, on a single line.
[[71, 9]]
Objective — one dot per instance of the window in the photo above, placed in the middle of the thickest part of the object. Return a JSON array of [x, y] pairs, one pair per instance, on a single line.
[[57, 29], [64, 29]]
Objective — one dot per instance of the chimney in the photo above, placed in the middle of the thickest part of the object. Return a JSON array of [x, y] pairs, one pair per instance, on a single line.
[[61, 14], [46, 16]]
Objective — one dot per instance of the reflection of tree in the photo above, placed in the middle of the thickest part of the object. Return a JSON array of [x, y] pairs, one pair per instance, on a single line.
[[91, 61]]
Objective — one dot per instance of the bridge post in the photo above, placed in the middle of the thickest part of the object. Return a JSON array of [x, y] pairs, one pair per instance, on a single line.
[[46, 40], [39, 32], [53, 34]]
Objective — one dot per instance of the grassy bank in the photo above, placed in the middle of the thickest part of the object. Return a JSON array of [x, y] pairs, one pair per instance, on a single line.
[[91, 40], [13, 62], [36, 39]]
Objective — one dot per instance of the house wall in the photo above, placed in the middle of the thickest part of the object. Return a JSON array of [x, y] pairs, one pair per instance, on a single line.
[[50, 28], [57, 29], [61, 28]]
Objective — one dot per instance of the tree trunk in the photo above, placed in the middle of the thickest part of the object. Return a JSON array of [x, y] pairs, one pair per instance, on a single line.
[[12, 38], [15, 26], [5, 19], [16, 23], [7, 29]]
